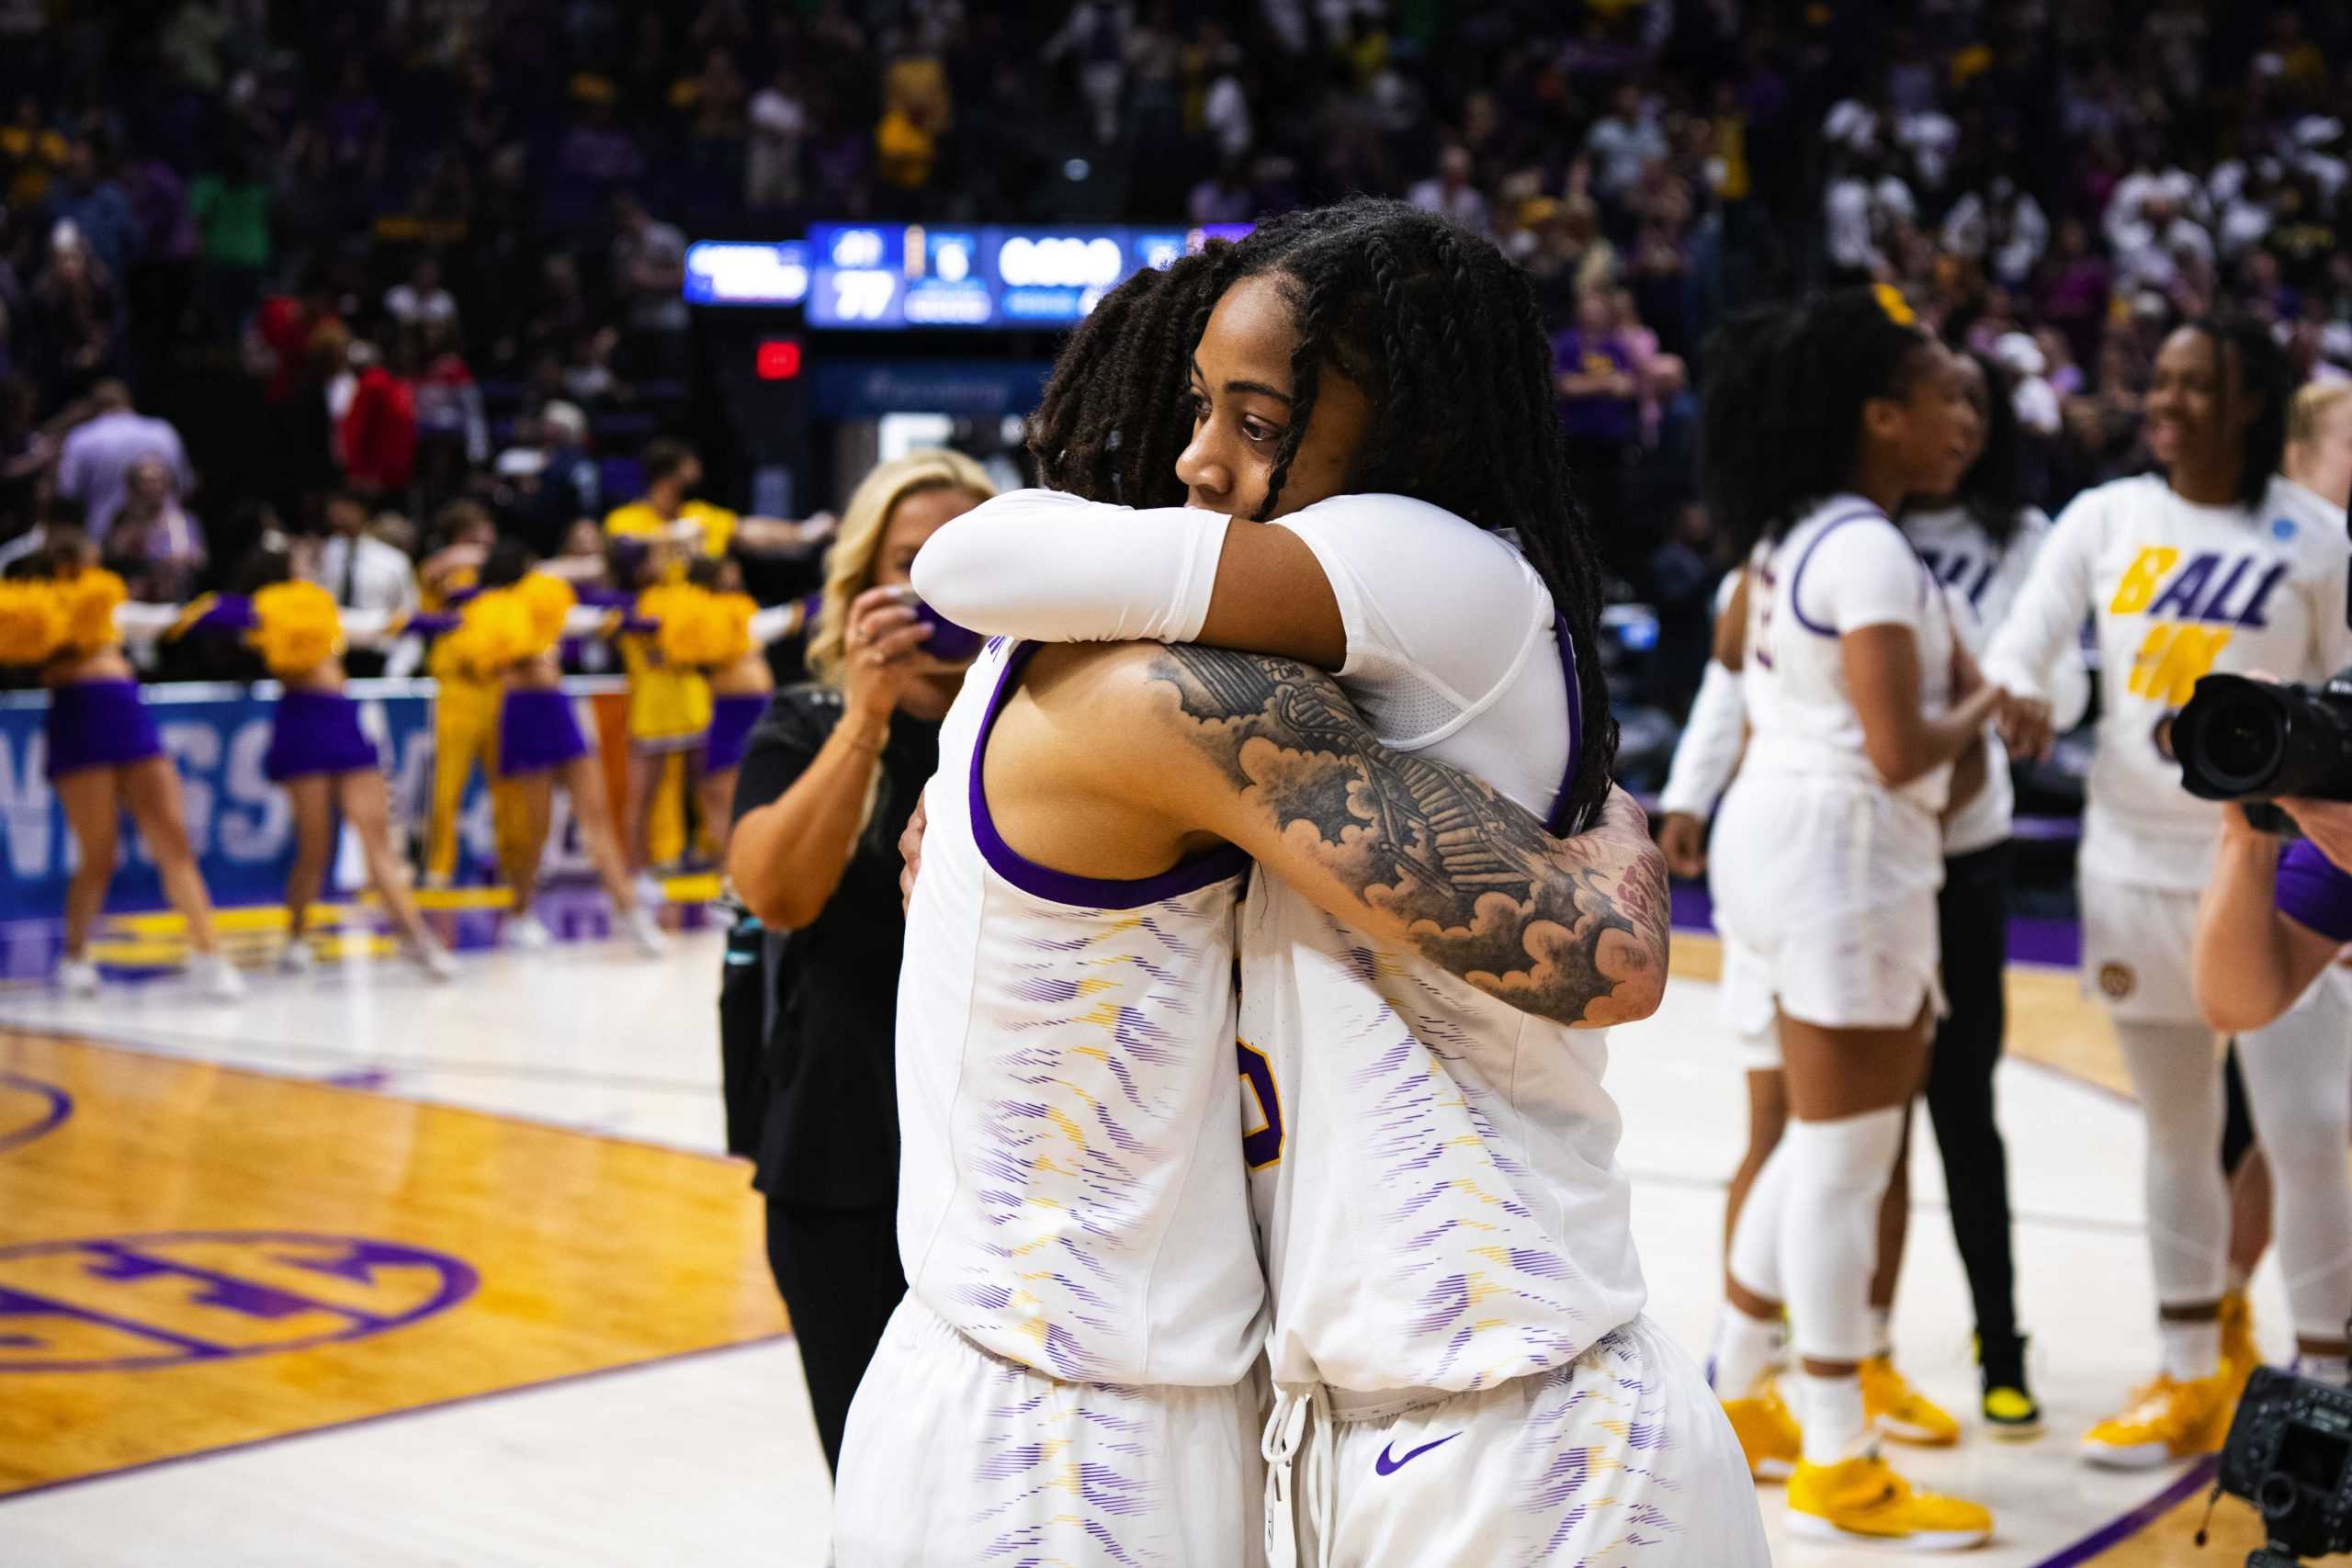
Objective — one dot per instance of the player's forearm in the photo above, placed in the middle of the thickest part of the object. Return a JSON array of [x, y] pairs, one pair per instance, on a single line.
[[1421, 853], [2241, 960]]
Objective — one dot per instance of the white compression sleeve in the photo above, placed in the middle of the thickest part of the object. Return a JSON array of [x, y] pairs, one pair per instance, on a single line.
[[1043, 567], [2296, 1068], [1837, 1173], [1708, 752], [2177, 1072]]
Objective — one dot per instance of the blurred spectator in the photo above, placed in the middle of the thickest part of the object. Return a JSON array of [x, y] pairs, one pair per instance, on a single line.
[[73, 312], [420, 300], [1623, 141], [551, 481], [96, 208], [1601, 409], [155, 545], [649, 267], [94, 463], [361, 571], [1449, 192], [377, 435], [779, 117]]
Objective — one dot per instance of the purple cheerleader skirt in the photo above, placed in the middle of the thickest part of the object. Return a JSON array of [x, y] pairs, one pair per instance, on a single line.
[[316, 732], [99, 724], [537, 731], [731, 719]]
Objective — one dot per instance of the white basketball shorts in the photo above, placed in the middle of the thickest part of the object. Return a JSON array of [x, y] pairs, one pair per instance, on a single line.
[[954, 1458]]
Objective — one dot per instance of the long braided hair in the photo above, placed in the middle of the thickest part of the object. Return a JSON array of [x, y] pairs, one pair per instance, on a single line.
[[1443, 336]]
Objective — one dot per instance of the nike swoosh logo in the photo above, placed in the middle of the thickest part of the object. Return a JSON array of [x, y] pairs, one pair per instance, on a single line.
[[1387, 1466]]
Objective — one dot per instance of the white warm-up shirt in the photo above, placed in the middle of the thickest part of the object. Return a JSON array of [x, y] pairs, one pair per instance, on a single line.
[[2176, 592]]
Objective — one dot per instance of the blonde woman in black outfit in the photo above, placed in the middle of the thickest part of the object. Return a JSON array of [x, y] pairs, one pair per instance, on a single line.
[[830, 777]]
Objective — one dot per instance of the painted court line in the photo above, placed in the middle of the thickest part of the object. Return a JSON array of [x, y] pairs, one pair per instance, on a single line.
[[383, 1416], [2123, 1526]]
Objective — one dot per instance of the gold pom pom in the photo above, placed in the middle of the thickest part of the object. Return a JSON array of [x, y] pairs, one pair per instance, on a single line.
[[90, 598], [493, 631], [298, 628], [33, 622], [548, 599]]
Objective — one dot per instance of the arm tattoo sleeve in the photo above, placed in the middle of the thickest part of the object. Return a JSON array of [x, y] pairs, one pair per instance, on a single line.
[[1572, 930]]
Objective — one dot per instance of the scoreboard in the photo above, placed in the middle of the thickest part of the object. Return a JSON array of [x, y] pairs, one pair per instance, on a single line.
[[895, 276]]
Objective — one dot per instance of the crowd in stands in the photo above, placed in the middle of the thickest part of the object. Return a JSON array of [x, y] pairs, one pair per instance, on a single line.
[[411, 252]]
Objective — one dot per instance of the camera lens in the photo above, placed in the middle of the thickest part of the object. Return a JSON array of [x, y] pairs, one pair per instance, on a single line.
[[2242, 742]]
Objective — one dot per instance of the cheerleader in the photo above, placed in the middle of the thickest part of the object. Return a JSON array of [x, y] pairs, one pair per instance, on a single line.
[[510, 632], [104, 757], [2210, 564], [1820, 420], [669, 703], [318, 754], [726, 634], [1979, 543]]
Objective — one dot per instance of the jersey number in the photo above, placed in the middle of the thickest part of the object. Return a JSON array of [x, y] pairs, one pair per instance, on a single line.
[[1262, 1143]]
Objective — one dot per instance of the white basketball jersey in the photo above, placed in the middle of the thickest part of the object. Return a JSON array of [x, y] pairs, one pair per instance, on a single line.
[[2175, 591], [1843, 567], [1071, 1196], [1434, 1173]]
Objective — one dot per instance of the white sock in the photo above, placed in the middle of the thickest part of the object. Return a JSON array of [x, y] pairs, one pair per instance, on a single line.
[[2332, 1370], [1831, 1410], [1744, 1349], [2192, 1350], [1882, 1341]]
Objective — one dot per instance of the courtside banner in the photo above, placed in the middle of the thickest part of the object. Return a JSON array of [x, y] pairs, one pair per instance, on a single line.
[[239, 822]]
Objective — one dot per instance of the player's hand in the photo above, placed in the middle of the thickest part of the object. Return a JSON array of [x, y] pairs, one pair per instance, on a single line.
[[1682, 838], [2326, 823], [911, 850], [2026, 726]]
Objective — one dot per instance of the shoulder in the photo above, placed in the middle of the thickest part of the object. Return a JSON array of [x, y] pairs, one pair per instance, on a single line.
[[1396, 534], [2093, 507], [634, 518]]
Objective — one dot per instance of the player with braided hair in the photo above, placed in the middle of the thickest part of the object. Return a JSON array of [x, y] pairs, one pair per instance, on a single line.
[[1371, 481]]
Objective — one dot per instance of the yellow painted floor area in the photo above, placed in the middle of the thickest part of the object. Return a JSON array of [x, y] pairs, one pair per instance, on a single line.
[[159, 1230]]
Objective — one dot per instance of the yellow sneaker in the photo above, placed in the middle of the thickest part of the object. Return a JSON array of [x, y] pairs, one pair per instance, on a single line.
[[2165, 1420], [1767, 1432], [1864, 1499], [1899, 1411]]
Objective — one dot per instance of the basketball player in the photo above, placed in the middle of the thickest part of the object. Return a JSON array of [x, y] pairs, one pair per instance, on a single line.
[[1434, 1176], [2210, 565], [1821, 418], [1979, 544]]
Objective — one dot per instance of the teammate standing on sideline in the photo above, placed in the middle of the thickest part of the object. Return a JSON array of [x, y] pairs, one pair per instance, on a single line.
[[2211, 565], [1979, 543], [1821, 419]]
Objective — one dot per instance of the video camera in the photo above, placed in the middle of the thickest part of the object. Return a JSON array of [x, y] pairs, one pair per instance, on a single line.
[[2252, 741], [2289, 1454]]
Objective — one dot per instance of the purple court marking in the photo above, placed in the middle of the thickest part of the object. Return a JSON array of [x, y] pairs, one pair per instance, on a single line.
[[124, 1259], [2123, 1526], [358, 1078], [56, 1106], [429, 1407]]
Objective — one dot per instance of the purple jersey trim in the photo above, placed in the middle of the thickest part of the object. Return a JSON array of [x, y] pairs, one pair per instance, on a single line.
[[1796, 581], [1060, 886], [2315, 893], [1558, 825]]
